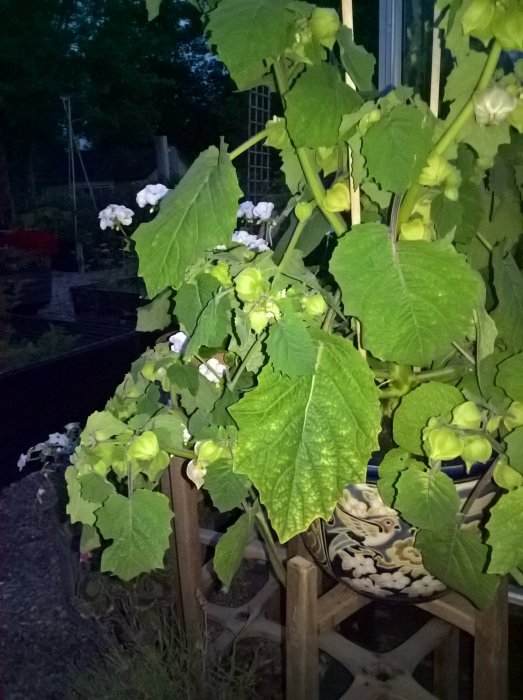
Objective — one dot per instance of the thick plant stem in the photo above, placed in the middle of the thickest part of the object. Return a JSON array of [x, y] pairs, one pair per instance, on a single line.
[[292, 244], [265, 532], [452, 131], [247, 144]]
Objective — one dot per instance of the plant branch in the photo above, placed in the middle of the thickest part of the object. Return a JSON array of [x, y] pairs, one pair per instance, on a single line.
[[292, 244], [246, 359], [247, 144], [453, 130]]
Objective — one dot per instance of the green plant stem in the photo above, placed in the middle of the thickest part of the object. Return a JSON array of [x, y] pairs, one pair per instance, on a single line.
[[265, 532], [465, 354], [432, 374], [292, 244], [452, 131], [247, 144], [259, 340], [329, 316], [484, 242], [186, 454]]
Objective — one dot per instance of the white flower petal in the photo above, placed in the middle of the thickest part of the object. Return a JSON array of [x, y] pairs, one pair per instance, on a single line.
[[178, 342]]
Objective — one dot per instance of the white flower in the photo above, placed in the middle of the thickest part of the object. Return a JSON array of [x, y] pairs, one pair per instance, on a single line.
[[212, 370], [178, 342], [186, 435], [263, 210], [151, 194], [252, 242], [245, 210], [114, 216], [493, 105], [196, 472], [58, 439], [22, 461]]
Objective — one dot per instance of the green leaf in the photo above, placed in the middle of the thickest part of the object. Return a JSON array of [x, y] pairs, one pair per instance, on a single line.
[[314, 232], [153, 8], [78, 508], [458, 558], [247, 35], [472, 203], [505, 528], [462, 82], [89, 539], [356, 60], [413, 413], [391, 466], [168, 428], [292, 170], [213, 325], [427, 499], [226, 488], [155, 316], [302, 439], [199, 215], [316, 105], [446, 215], [508, 315], [291, 348], [414, 298], [510, 377], [100, 426], [485, 140], [95, 488], [396, 148], [192, 298], [514, 442], [139, 527], [228, 553]]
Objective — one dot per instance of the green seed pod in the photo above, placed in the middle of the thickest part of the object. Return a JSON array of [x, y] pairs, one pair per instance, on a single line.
[[505, 476], [477, 19], [277, 135], [144, 447], [220, 271], [148, 371], [414, 230], [303, 210], [337, 198], [467, 415], [493, 424], [324, 24], [314, 305], [476, 449], [208, 450], [493, 105], [249, 284], [258, 320], [443, 443], [514, 417]]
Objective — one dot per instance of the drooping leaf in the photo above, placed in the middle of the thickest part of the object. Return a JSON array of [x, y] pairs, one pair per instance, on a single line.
[[155, 316], [226, 488], [228, 553], [356, 60], [413, 298], [199, 215], [505, 526], [458, 558], [510, 377], [396, 147], [316, 105], [508, 315], [291, 348], [78, 508], [302, 439], [412, 415], [247, 35], [139, 527], [427, 499]]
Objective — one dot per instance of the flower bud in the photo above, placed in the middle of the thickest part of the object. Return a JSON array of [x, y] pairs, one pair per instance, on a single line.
[[493, 105], [258, 320], [149, 371], [505, 476], [514, 417], [327, 158], [435, 172], [477, 449], [467, 415], [303, 210], [324, 24], [249, 284], [314, 305], [337, 198], [493, 424], [144, 447], [209, 450], [443, 443]]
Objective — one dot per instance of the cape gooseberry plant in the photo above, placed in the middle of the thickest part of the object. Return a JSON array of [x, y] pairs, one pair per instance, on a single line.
[[285, 361]]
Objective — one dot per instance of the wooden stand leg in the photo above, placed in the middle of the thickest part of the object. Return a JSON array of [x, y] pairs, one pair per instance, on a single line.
[[446, 667], [302, 662], [491, 649], [184, 503]]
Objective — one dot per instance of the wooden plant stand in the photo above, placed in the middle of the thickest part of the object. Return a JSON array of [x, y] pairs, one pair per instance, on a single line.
[[311, 626]]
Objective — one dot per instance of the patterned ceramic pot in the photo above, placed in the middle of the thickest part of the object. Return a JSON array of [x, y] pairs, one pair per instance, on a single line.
[[369, 547]]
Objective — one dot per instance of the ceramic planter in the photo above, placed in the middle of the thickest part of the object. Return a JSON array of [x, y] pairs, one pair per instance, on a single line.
[[368, 546]]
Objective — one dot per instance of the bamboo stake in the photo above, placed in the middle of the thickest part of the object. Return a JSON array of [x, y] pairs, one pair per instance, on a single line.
[[348, 21], [435, 73]]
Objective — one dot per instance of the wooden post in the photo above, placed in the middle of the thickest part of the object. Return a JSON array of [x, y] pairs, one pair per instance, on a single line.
[[491, 649], [302, 662], [186, 550]]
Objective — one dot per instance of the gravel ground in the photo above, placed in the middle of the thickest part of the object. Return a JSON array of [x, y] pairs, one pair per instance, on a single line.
[[41, 634]]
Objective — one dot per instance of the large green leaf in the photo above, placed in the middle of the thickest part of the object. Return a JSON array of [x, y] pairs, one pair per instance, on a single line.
[[139, 527], [413, 413], [199, 215], [213, 325], [458, 558], [392, 465], [247, 35], [508, 315], [510, 377], [226, 488], [192, 298], [95, 488], [229, 550], [291, 348], [316, 105], [396, 147], [427, 499], [302, 439], [505, 528], [357, 61], [413, 298]]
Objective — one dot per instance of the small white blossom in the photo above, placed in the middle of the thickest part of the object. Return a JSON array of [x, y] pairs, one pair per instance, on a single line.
[[252, 242], [245, 210], [212, 370], [22, 461], [178, 342], [114, 216], [493, 105], [263, 211], [186, 436], [58, 439], [151, 194], [196, 472]]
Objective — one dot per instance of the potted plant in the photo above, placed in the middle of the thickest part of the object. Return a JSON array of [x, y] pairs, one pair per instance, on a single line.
[[286, 371]]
